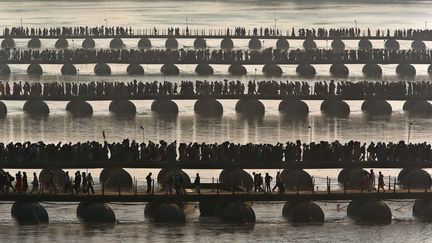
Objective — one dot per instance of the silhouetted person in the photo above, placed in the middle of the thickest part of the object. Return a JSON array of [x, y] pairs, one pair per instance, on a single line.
[[371, 185], [77, 182], [178, 183], [197, 183], [267, 180], [279, 184], [90, 183], [381, 181], [18, 184], [9, 180], [67, 187], [149, 183], [84, 183], [25, 182], [35, 183]]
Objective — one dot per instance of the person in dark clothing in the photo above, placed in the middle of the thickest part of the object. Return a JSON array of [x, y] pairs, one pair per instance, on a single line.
[[35, 183], [267, 180], [149, 183], [178, 183], [279, 185], [77, 182], [90, 183], [381, 182], [260, 182], [67, 183], [9, 180], [25, 182], [51, 184], [84, 183], [197, 183]]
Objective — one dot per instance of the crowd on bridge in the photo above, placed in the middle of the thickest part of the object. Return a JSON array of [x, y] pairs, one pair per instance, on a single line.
[[226, 152], [139, 89], [81, 182], [68, 31], [188, 56], [320, 32]]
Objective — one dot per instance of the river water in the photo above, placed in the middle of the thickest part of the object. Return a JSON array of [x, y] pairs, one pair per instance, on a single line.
[[272, 128]]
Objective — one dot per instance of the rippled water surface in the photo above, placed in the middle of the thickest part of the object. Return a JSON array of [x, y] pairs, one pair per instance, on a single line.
[[273, 127]]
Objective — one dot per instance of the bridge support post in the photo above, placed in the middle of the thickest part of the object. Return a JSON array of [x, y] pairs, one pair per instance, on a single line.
[[27, 212], [303, 212], [165, 106], [370, 211], [165, 212], [122, 107], [250, 107], [95, 212], [208, 107]]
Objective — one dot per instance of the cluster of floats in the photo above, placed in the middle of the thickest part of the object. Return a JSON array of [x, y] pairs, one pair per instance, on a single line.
[[255, 42], [237, 210], [308, 71], [304, 70], [339, 70], [248, 106]]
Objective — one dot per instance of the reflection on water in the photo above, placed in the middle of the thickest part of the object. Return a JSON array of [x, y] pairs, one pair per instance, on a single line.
[[271, 128], [270, 226]]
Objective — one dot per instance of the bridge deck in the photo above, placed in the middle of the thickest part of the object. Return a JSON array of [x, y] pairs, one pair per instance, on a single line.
[[218, 196], [219, 97], [207, 36], [213, 165], [211, 62]]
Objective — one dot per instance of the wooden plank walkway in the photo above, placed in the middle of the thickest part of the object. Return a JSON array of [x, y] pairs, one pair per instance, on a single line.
[[208, 36], [221, 196], [213, 165], [210, 62], [219, 97]]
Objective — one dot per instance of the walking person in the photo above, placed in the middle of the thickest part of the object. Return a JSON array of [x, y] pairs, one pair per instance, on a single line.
[[67, 187], [90, 183], [371, 182], [279, 184], [84, 183], [149, 183], [18, 184], [197, 183], [35, 183], [381, 181], [267, 179], [77, 182], [50, 184], [260, 182], [25, 182], [9, 180]]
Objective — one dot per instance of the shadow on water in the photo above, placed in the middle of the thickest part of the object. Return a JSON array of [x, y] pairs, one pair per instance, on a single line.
[[165, 117], [98, 226], [205, 121], [94, 229], [377, 118], [36, 118], [250, 118], [293, 119], [229, 228]]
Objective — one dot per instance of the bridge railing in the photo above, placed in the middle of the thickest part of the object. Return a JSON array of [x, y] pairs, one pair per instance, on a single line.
[[211, 185]]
